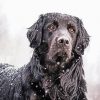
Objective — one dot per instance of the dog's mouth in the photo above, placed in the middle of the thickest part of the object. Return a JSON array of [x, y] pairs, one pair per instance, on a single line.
[[60, 57]]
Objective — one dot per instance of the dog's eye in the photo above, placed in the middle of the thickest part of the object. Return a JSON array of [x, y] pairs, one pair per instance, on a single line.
[[71, 28], [53, 26]]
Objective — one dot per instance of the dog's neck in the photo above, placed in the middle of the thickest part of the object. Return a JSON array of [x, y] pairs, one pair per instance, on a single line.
[[62, 80], [52, 68]]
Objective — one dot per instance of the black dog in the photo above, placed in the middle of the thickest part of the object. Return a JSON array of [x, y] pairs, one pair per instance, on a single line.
[[55, 70]]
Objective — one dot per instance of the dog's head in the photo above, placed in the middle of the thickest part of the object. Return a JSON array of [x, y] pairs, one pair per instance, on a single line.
[[58, 36]]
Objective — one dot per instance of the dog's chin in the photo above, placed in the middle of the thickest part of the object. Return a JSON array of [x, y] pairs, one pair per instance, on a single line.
[[59, 58]]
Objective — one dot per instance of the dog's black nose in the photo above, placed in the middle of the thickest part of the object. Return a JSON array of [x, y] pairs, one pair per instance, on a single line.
[[63, 41]]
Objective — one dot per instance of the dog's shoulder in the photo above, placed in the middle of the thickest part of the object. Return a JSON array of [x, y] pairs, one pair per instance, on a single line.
[[9, 78]]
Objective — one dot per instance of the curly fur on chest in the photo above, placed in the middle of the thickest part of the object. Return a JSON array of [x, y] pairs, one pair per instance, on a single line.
[[64, 84]]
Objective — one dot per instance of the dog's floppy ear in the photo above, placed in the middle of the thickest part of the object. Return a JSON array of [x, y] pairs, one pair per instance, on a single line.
[[34, 33], [82, 38]]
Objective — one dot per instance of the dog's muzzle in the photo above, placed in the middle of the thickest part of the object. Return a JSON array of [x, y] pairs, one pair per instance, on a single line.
[[61, 47]]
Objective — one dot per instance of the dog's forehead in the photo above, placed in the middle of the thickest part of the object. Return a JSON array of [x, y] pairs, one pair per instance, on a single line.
[[59, 17]]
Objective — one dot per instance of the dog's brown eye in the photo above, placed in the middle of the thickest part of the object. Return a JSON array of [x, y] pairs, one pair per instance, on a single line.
[[71, 28], [52, 27]]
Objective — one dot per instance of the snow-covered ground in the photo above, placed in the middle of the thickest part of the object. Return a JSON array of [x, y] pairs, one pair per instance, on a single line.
[[17, 15]]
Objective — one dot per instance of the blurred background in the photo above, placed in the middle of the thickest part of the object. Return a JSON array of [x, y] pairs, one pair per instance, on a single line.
[[17, 15]]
